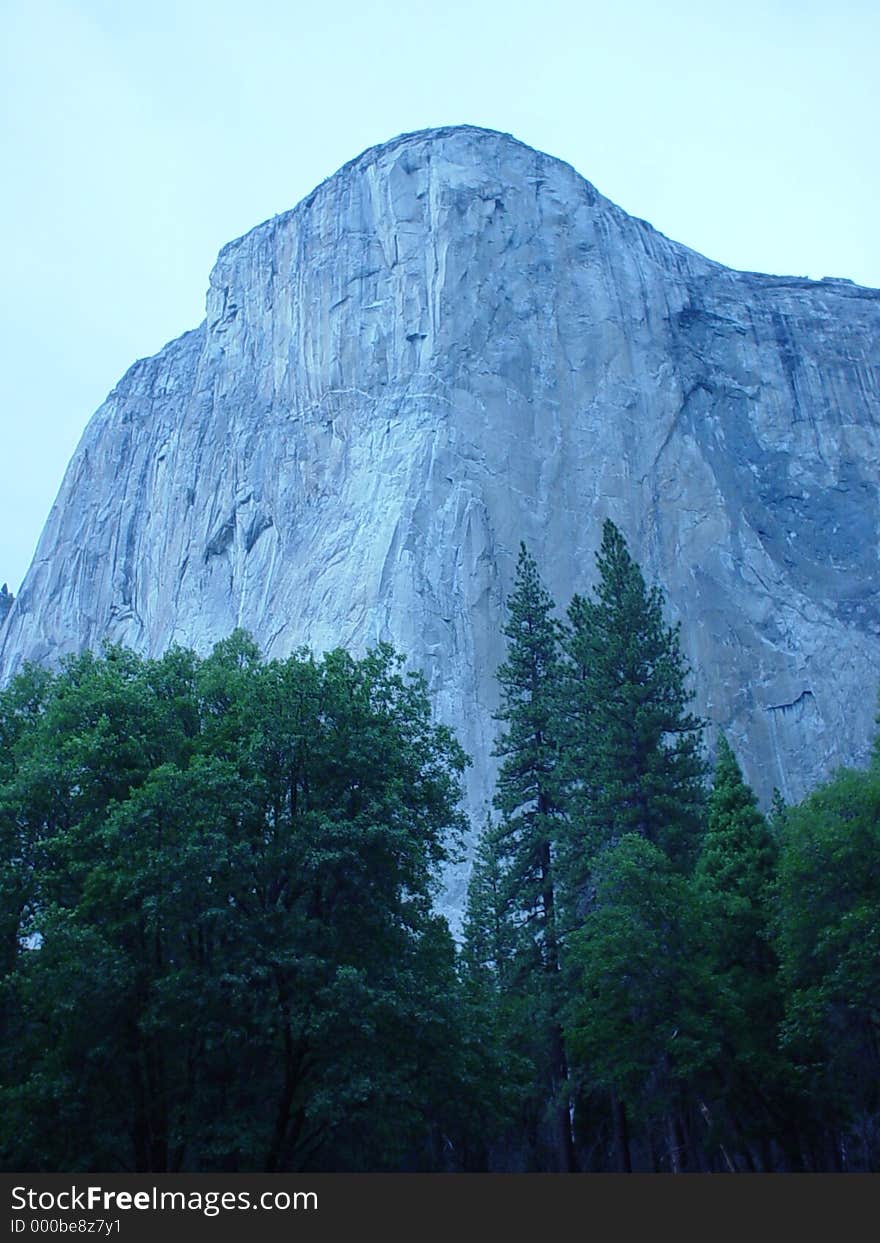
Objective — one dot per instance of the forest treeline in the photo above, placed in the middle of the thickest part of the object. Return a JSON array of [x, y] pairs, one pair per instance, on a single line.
[[219, 948], [684, 984]]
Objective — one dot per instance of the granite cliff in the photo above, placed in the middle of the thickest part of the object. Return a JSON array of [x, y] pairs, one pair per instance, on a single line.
[[456, 343]]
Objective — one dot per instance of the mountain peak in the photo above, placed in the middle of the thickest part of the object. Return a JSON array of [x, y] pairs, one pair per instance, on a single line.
[[475, 152]]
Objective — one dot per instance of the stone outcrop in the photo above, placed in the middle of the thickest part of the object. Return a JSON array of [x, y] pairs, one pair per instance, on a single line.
[[456, 343]]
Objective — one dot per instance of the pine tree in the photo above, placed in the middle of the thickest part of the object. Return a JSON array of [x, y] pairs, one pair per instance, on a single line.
[[489, 935], [734, 884], [632, 761], [630, 769], [736, 866], [528, 834], [776, 818], [527, 747], [829, 949], [637, 1029], [500, 1014]]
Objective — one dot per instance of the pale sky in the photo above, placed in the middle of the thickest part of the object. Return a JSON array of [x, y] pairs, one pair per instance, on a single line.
[[138, 138]]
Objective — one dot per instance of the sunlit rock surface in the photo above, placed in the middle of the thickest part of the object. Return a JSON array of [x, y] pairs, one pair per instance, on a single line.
[[453, 344]]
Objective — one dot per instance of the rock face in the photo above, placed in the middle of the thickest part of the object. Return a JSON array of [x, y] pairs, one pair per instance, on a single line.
[[456, 343]]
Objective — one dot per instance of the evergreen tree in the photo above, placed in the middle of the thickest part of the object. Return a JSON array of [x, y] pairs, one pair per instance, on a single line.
[[637, 1024], [776, 818], [632, 749], [527, 835], [527, 746], [735, 882], [736, 869], [829, 949], [489, 938], [630, 767], [501, 1015]]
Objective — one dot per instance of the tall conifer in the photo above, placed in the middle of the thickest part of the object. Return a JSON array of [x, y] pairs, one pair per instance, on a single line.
[[527, 746], [734, 887], [489, 935], [527, 836], [632, 747]]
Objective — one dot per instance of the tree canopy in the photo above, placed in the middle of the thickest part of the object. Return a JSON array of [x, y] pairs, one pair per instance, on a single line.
[[218, 933], [220, 949]]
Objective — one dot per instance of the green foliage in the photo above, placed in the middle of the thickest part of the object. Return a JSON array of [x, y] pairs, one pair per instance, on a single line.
[[637, 1027], [829, 947], [217, 882], [750, 1086], [219, 951], [524, 848], [489, 940], [736, 870], [599, 746], [621, 928], [776, 818], [632, 749], [501, 1013], [527, 747]]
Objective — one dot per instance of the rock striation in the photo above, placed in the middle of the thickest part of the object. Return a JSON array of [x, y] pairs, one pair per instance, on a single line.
[[453, 344]]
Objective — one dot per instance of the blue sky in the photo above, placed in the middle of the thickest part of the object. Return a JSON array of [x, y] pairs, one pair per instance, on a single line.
[[137, 139]]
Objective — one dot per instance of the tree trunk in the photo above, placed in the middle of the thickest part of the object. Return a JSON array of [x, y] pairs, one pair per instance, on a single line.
[[672, 1141], [563, 1138], [561, 1106], [621, 1135]]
